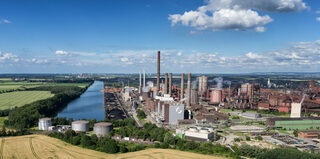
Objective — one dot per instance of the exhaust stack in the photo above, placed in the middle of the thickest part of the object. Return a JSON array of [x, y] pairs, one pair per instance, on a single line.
[[189, 89], [182, 86], [170, 83], [158, 74], [166, 84]]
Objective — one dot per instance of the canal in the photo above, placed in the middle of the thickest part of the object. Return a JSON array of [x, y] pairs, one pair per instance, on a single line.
[[89, 105]]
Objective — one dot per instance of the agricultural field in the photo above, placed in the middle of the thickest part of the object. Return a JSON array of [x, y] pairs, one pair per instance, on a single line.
[[40, 146], [20, 98], [7, 84]]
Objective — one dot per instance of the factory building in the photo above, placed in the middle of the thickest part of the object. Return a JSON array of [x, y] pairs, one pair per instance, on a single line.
[[294, 123], [44, 123], [102, 129], [199, 133], [309, 134], [80, 126]]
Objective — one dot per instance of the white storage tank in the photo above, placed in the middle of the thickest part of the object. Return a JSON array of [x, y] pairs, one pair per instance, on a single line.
[[102, 129], [44, 123], [80, 125]]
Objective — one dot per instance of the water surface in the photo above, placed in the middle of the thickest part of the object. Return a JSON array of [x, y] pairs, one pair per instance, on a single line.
[[89, 105]]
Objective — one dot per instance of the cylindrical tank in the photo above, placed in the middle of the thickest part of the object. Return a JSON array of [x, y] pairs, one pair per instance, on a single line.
[[80, 125], [44, 123], [216, 96], [102, 129]]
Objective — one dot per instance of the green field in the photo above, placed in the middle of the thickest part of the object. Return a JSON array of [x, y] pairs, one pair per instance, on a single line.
[[6, 85], [20, 98]]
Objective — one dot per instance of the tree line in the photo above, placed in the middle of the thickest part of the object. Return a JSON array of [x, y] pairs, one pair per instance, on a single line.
[[28, 115]]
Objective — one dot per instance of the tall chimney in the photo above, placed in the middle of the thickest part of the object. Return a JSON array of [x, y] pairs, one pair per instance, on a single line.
[[158, 74], [166, 84], [170, 83], [144, 78], [182, 86], [140, 83], [189, 89]]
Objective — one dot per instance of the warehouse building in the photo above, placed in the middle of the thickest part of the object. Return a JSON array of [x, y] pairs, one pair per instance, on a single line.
[[294, 123], [309, 134], [200, 134]]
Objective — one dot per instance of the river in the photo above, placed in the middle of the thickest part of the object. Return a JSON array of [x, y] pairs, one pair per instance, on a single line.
[[89, 105]]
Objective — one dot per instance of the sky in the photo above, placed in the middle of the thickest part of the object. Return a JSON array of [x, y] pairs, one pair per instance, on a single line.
[[123, 36]]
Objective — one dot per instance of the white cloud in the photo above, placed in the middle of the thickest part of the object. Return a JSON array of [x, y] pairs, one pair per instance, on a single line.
[[318, 19], [234, 14], [62, 52], [5, 21], [260, 29], [318, 12], [8, 57]]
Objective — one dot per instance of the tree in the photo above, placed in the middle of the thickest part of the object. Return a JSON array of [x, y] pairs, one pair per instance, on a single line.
[[110, 146], [248, 138], [85, 141]]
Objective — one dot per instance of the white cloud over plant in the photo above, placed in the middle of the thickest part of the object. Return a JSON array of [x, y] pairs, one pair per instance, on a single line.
[[219, 15]]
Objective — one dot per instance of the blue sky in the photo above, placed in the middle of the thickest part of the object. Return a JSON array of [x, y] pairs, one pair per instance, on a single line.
[[204, 36]]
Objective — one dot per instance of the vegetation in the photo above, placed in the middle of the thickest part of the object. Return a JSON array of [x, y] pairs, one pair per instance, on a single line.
[[141, 114], [103, 144], [5, 132], [21, 98], [28, 115]]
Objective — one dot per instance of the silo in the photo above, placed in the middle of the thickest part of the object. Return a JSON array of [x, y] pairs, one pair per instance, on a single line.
[[44, 123], [216, 96], [102, 129], [80, 125]]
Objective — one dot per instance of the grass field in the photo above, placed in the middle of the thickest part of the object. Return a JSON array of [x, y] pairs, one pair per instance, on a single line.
[[40, 146], [12, 85], [20, 98]]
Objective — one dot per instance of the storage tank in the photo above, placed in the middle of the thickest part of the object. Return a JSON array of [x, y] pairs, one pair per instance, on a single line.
[[80, 125], [216, 96], [44, 123], [102, 129]]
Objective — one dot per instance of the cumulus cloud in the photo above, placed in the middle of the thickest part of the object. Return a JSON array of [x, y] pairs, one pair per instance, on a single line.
[[62, 52], [235, 14], [318, 19]]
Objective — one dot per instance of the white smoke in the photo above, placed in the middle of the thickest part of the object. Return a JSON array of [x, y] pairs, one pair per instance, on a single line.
[[219, 81]]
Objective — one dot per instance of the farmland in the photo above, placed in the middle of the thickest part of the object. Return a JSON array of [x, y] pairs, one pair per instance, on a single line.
[[9, 85], [40, 146], [20, 98]]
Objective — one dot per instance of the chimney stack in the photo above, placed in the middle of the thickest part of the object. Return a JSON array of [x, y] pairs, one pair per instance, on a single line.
[[144, 78], [166, 84], [158, 74], [140, 83], [182, 86], [189, 89], [170, 83]]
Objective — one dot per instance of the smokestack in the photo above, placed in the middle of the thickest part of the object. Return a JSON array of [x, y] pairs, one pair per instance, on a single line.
[[170, 83], [189, 89], [140, 83], [144, 78], [182, 86], [158, 74], [166, 84]]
